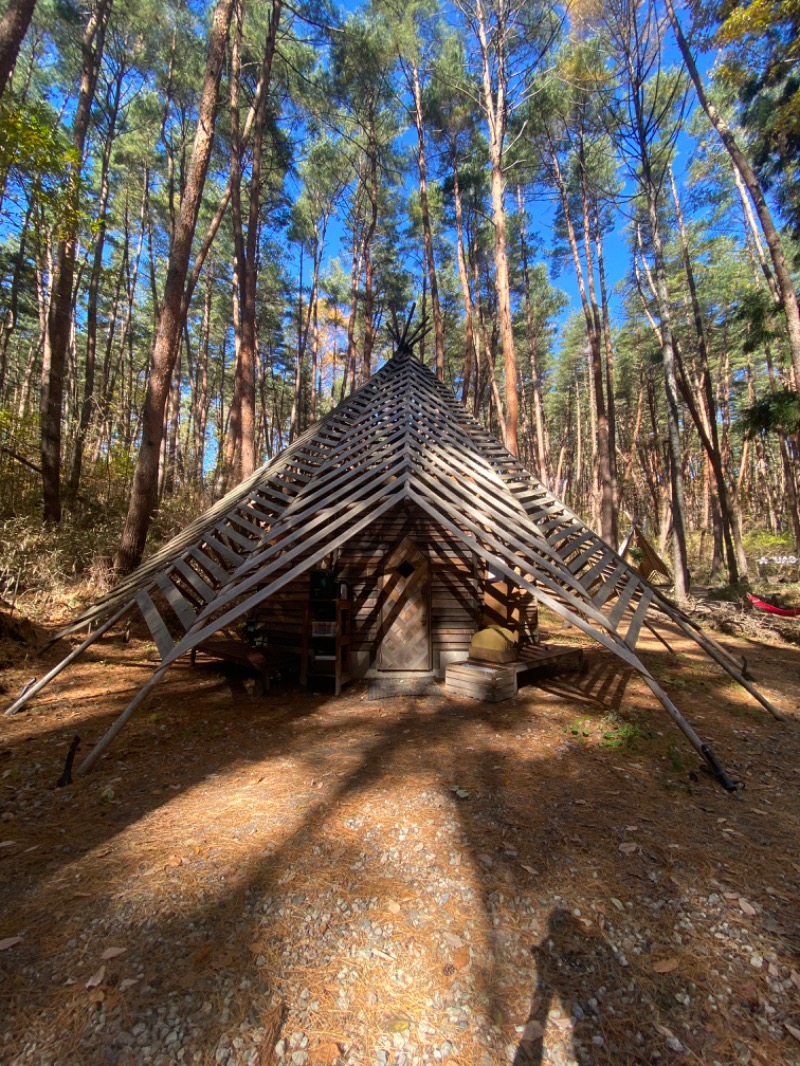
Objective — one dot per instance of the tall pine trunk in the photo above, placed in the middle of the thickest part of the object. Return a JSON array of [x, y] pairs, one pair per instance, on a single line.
[[87, 406], [13, 27], [783, 274], [62, 296], [438, 331], [470, 352], [170, 325], [494, 101]]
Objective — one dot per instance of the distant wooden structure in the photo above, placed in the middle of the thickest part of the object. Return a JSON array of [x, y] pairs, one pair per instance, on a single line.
[[431, 523], [649, 562]]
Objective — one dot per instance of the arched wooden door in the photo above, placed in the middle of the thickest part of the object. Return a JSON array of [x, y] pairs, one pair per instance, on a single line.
[[405, 610]]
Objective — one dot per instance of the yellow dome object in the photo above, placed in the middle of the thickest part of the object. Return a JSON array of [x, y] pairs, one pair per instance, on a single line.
[[494, 645]]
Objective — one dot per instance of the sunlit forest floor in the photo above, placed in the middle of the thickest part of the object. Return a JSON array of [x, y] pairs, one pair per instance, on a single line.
[[305, 879]]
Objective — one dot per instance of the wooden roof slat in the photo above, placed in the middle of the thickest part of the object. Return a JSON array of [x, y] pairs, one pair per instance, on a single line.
[[236, 536], [222, 549], [155, 623], [575, 565], [208, 564], [240, 520], [639, 615], [201, 587], [589, 578], [618, 610], [180, 605], [565, 550], [609, 586]]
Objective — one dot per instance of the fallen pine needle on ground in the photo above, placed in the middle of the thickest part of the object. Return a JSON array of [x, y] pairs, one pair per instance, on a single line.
[[303, 879]]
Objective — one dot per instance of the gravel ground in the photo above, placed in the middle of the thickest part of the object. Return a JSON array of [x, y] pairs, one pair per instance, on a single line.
[[309, 880]]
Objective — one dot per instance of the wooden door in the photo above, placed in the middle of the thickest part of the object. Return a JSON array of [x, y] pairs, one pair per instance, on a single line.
[[405, 610]]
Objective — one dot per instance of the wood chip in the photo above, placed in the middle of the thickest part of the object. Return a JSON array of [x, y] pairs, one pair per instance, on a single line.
[[793, 1030], [10, 942], [747, 908], [96, 978], [453, 940], [324, 1054], [112, 953], [461, 958], [629, 848], [665, 966]]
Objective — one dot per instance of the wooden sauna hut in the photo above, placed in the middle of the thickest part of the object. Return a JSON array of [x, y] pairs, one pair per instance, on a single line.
[[428, 523], [406, 597]]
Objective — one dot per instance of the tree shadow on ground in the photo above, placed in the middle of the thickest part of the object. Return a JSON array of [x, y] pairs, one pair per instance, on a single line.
[[312, 783]]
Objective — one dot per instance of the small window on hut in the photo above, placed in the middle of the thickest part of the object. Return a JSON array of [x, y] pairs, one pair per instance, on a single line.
[[405, 569]]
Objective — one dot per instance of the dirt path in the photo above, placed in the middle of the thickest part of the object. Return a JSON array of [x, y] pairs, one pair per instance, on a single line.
[[303, 879]]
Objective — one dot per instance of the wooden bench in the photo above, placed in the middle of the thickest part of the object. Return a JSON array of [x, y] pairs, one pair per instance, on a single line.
[[240, 653], [493, 682]]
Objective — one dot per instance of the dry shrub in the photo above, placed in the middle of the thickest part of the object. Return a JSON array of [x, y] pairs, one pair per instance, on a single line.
[[51, 572]]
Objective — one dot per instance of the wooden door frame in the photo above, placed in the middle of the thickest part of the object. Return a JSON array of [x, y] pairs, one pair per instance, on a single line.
[[404, 547]]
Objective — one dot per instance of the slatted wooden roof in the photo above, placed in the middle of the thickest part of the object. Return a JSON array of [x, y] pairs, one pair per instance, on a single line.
[[402, 436]]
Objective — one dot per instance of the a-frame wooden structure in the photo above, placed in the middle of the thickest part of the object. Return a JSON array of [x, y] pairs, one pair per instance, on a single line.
[[400, 441]]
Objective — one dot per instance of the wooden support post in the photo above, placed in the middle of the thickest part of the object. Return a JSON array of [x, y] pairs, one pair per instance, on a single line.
[[710, 647], [106, 739], [702, 749]]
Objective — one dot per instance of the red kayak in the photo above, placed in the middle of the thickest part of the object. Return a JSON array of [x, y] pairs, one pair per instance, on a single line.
[[784, 612]]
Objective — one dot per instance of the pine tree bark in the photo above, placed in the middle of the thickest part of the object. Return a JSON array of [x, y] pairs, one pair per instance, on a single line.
[[495, 108], [783, 274], [167, 339], [87, 406], [541, 443], [62, 296], [349, 375], [680, 558], [247, 248], [371, 186], [436, 310], [606, 459], [13, 27], [709, 435], [591, 314], [470, 355]]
